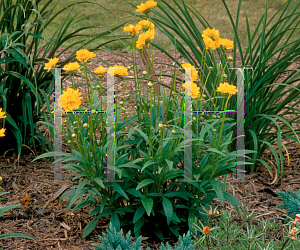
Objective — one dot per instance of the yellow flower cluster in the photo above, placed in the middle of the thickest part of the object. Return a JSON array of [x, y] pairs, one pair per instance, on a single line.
[[226, 88], [134, 30], [194, 73], [2, 115], [144, 39], [52, 62], [84, 55], [100, 70], [146, 7], [193, 91], [146, 27], [118, 70], [212, 40], [72, 66], [70, 99]]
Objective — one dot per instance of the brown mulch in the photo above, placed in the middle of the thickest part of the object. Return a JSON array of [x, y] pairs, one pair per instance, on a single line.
[[54, 227]]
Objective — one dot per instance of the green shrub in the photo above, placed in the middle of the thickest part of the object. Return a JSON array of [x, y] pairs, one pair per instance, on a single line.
[[115, 241], [291, 202]]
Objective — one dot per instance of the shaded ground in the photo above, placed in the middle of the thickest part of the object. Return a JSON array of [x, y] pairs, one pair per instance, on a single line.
[[53, 227]]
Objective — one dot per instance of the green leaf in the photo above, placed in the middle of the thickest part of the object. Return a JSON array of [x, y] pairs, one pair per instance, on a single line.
[[91, 226], [148, 204], [135, 192], [118, 188], [168, 208], [144, 183], [114, 219], [218, 189], [14, 235], [99, 181], [138, 214], [170, 164]]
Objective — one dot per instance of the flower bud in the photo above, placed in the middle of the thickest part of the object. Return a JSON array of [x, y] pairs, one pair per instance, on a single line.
[[293, 231], [194, 119], [210, 212], [230, 58], [160, 125], [214, 130], [145, 73], [204, 96], [173, 131], [98, 87], [73, 135], [85, 125], [224, 75], [38, 124], [75, 122], [0, 178], [69, 141], [150, 84], [121, 103], [293, 238], [123, 109], [206, 230], [182, 62], [214, 116], [211, 68], [128, 96]]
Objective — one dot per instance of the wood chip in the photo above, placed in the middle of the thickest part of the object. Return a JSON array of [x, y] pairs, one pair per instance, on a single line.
[[56, 195], [65, 226]]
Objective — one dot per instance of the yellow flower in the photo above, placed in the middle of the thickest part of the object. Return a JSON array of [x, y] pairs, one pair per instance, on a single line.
[[52, 62], [118, 70], [72, 66], [145, 25], [2, 114], [145, 39], [2, 132], [228, 44], [100, 70], [132, 29], [211, 38], [0, 178], [70, 99], [226, 88], [84, 55], [194, 72], [193, 91], [145, 7]]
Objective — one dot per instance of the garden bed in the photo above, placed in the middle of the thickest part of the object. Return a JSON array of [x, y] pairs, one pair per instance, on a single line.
[[55, 228]]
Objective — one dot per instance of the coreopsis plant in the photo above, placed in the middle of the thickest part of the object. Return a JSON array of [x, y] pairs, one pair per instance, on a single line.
[[264, 84], [148, 157]]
